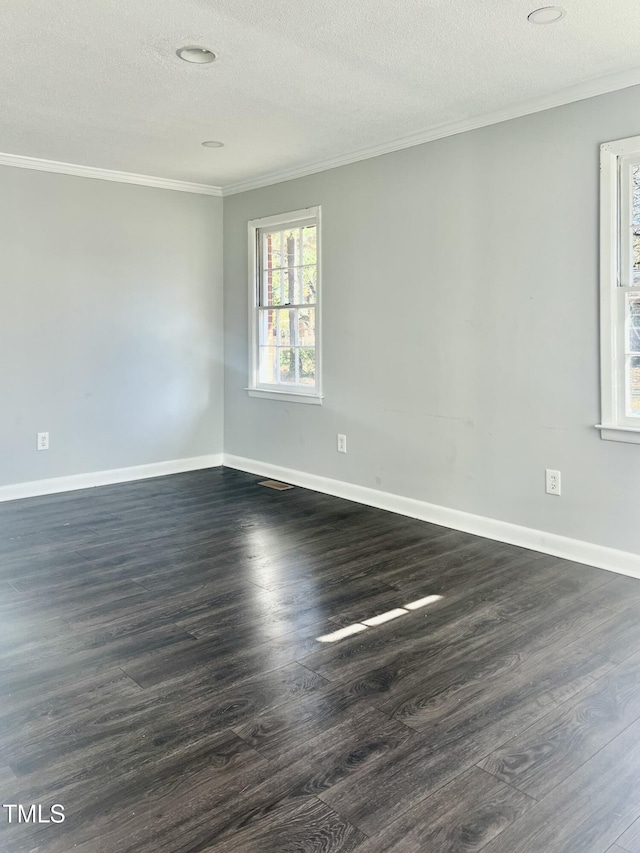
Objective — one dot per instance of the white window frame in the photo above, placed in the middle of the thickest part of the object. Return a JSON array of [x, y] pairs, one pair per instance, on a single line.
[[255, 387], [616, 159]]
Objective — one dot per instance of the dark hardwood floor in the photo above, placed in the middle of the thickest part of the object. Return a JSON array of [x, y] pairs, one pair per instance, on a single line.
[[162, 678]]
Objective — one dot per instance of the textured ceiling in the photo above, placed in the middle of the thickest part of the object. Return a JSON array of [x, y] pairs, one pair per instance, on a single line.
[[297, 82]]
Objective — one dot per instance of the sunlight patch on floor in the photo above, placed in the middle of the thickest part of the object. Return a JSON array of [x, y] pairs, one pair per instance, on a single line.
[[380, 619]]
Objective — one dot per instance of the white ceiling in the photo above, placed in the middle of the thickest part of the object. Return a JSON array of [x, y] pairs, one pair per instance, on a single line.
[[298, 83]]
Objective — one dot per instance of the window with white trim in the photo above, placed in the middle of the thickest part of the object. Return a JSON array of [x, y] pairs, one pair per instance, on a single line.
[[284, 305], [620, 289]]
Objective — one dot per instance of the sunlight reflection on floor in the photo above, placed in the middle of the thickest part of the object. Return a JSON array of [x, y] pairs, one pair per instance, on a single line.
[[380, 619]]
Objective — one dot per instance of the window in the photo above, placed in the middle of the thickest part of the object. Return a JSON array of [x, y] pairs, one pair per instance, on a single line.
[[284, 305], [620, 289]]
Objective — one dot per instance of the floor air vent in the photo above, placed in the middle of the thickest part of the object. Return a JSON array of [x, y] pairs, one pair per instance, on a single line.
[[274, 484]]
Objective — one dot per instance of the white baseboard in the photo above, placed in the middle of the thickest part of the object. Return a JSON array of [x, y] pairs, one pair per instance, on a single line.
[[611, 559], [622, 562], [104, 478]]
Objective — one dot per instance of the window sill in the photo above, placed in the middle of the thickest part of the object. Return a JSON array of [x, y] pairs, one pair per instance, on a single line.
[[286, 396], [630, 435]]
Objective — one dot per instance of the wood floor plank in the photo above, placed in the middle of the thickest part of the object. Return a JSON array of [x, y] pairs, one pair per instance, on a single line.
[[162, 675], [461, 688], [543, 569], [339, 748], [226, 662], [462, 817], [421, 633], [526, 604], [458, 728], [131, 793], [629, 841], [550, 750], [310, 826], [619, 637], [453, 566], [571, 616], [71, 657], [588, 811], [49, 703], [277, 731], [214, 814], [397, 669], [285, 611], [243, 700]]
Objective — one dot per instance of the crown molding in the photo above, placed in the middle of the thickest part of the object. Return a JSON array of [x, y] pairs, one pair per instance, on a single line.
[[20, 162], [579, 92]]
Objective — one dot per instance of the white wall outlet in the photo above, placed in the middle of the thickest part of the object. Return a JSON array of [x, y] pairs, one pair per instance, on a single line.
[[553, 482], [43, 441], [342, 443]]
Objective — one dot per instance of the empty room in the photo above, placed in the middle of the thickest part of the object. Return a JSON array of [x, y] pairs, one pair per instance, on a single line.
[[320, 426]]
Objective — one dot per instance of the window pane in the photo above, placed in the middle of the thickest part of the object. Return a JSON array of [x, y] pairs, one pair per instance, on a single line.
[[268, 328], [635, 226], [635, 249], [268, 363], [309, 249], [293, 286], [290, 287], [291, 247], [271, 247], [287, 328], [633, 386], [309, 284], [272, 288], [307, 327], [287, 366], [307, 365], [635, 192], [633, 322]]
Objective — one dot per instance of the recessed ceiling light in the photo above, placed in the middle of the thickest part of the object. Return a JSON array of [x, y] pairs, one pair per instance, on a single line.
[[547, 15], [210, 143], [199, 55]]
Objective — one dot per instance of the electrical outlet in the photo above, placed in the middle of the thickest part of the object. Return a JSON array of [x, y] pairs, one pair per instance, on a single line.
[[553, 482], [342, 443], [43, 441]]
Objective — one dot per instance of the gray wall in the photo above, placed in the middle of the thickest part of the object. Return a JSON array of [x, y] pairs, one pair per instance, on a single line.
[[460, 326], [110, 324]]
